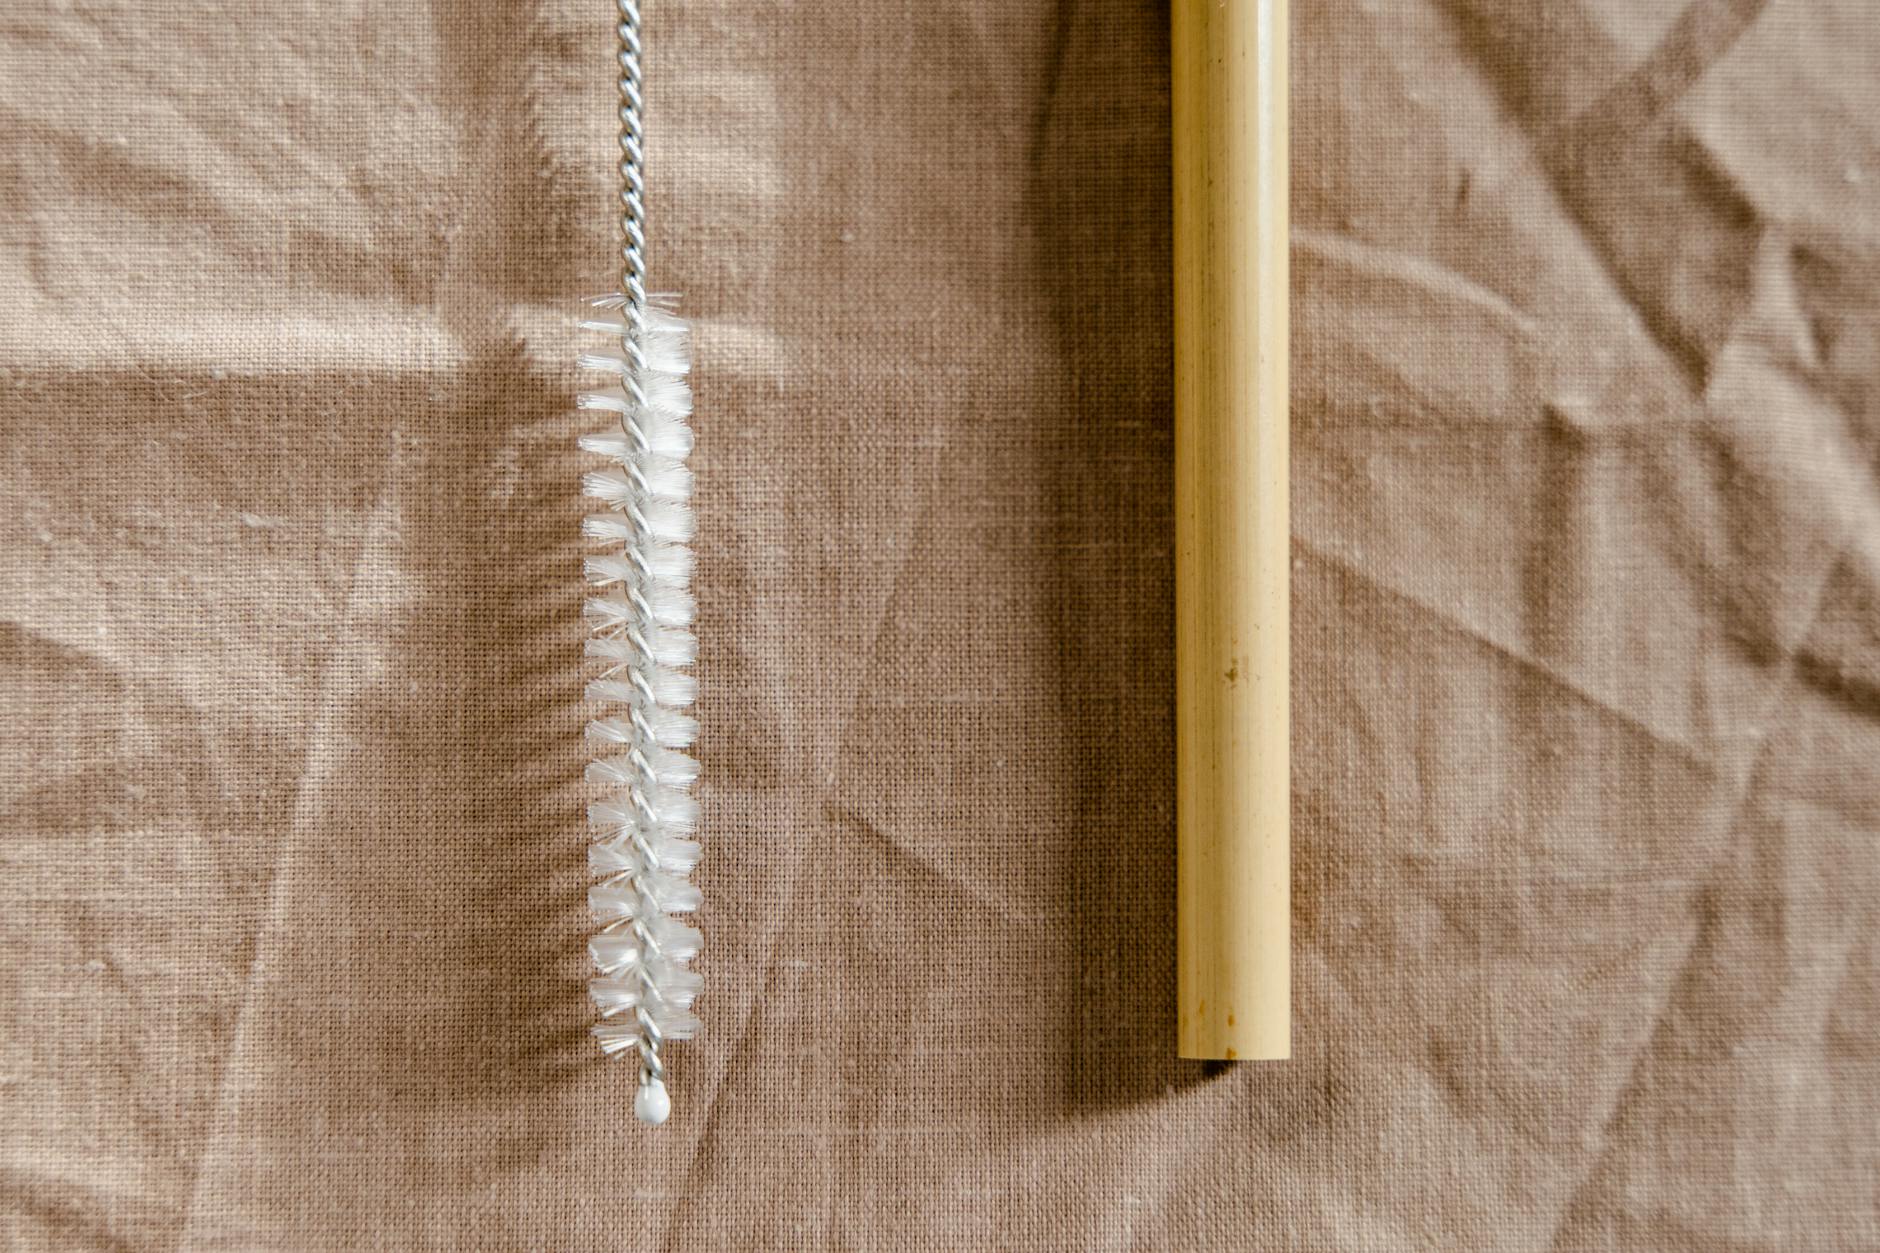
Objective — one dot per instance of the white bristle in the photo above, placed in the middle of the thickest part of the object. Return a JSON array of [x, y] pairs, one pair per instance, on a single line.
[[678, 856], [667, 394], [673, 730], [654, 895], [665, 562], [670, 769], [674, 938], [668, 646], [612, 994], [667, 351], [673, 687], [681, 770], [671, 606], [668, 480], [617, 1037], [674, 984], [669, 521], [665, 437], [659, 480], [613, 856], [611, 689], [623, 853], [607, 526], [615, 648], [607, 568], [614, 901], [650, 1104], [623, 902], [614, 951], [670, 562], [608, 485], [661, 395], [612, 771], [670, 730], [656, 302], [678, 813], [612, 443], [664, 354], [673, 894], [676, 1024], [665, 342], [674, 813], [671, 646], [613, 812], [608, 612], [612, 730], [610, 400], [640, 613], [602, 361], [670, 687]]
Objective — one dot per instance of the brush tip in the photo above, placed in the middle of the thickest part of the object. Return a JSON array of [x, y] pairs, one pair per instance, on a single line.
[[651, 1104]]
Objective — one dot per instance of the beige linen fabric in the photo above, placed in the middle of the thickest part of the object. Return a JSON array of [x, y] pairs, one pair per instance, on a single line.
[[1587, 672]]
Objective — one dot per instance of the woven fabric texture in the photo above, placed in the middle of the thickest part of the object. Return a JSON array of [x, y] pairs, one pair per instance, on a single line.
[[1586, 428]]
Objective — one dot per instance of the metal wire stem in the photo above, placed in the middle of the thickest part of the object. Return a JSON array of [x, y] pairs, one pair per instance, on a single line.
[[633, 288]]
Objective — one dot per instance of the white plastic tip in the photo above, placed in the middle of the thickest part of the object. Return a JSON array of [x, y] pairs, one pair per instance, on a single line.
[[651, 1104]]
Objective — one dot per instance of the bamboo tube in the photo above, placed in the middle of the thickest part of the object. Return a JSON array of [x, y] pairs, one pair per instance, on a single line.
[[1232, 551]]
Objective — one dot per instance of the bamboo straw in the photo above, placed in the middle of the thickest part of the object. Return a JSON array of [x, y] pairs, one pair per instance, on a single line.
[[1228, 70]]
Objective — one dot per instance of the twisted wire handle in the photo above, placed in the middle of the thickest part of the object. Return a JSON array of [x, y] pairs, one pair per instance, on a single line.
[[633, 286], [632, 169]]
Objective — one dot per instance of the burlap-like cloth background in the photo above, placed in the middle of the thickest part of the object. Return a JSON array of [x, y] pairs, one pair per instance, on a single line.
[[1587, 536]]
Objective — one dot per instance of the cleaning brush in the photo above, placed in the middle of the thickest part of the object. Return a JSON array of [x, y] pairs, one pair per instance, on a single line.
[[641, 613]]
